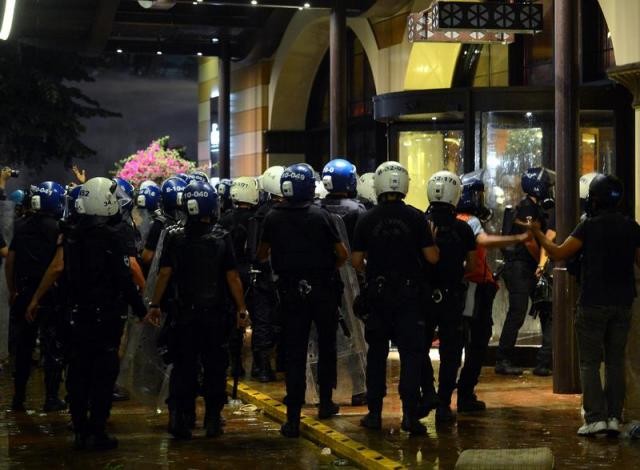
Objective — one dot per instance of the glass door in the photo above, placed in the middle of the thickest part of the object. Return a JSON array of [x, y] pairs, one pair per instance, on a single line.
[[423, 153]]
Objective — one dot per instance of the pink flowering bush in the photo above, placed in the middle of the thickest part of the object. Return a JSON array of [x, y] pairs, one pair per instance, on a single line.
[[156, 163]]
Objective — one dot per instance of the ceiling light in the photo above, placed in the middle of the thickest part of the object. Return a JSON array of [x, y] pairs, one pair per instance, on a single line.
[[300, 8], [254, 2], [307, 5], [159, 53], [119, 51], [195, 3], [215, 40], [433, 118], [529, 114], [199, 54], [7, 19]]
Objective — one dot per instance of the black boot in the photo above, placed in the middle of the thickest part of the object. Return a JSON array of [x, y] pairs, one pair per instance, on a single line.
[[428, 401], [17, 404], [469, 403], [542, 370], [266, 373], [410, 421], [213, 425], [53, 404], [80, 441], [292, 427], [444, 415], [178, 425], [372, 420], [327, 408], [359, 399], [504, 367]]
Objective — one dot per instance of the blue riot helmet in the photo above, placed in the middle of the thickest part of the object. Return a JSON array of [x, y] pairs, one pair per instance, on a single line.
[[18, 197], [200, 200], [148, 196], [540, 183], [171, 193], [298, 183], [48, 197], [124, 193], [200, 176], [185, 177], [472, 197], [605, 194], [339, 176]]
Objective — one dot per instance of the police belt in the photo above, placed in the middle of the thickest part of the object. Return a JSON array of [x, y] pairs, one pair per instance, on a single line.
[[325, 278], [95, 313], [441, 292]]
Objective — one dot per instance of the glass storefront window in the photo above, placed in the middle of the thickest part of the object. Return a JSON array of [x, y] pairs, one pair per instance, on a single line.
[[423, 153]]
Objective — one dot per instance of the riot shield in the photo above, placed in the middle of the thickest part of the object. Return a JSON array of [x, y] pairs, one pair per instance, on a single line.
[[142, 370], [350, 342], [7, 215], [143, 219]]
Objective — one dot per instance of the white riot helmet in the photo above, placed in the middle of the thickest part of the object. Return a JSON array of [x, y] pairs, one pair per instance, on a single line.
[[271, 180], [445, 187], [98, 197], [366, 190], [585, 181], [391, 177], [245, 189]]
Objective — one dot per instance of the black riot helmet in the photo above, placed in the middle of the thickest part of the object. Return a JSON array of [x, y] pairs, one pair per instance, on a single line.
[[540, 182], [605, 194]]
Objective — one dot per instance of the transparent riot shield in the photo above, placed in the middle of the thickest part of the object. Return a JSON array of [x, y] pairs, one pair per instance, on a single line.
[[7, 215], [350, 342], [143, 219], [142, 370]]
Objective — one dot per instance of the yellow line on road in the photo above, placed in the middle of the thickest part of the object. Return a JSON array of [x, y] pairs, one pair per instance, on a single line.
[[314, 430]]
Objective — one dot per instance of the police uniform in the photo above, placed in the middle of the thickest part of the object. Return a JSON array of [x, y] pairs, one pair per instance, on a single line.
[[302, 240], [520, 279], [480, 323], [455, 239], [393, 235], [243, 225], [34, 243], [200, 254], [348, 209], [98, 277]]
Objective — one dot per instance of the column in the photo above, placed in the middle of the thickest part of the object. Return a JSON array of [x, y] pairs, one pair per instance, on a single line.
[[629, 76], [567, 126], [224, 111], [338, 81]]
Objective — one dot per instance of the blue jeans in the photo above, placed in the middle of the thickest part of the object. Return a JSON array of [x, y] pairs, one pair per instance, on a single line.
[[602, 330]]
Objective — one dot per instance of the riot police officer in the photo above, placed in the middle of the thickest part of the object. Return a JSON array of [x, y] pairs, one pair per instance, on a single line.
[[457, 246], [223, 189], [339, 178], [200, 259], [95, 263], [392, 243], [244, 228], [147, 203], [482, 289], [522, 262], [610, 243], [366, 190], [306, 252], [171, 194], [32, 250]]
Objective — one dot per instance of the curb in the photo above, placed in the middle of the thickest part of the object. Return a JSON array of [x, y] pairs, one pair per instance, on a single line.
[[320, 433]]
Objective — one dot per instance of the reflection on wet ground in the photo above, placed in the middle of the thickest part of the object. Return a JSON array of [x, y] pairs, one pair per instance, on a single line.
[[522, 413], [251, 440]]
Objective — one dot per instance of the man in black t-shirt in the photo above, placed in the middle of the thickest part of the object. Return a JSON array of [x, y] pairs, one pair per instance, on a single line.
[[32, 249], [521, 263], [392, 242], [457, 245], [306, 252], [609, 243], [200, 259]]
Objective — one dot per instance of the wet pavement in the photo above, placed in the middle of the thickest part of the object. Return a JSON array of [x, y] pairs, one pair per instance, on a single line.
[[522, 413], [251, 440]]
